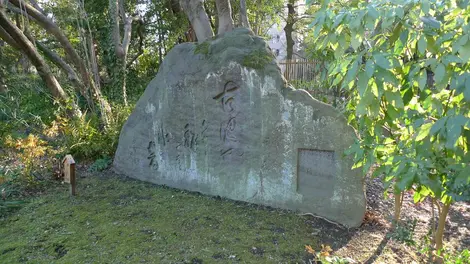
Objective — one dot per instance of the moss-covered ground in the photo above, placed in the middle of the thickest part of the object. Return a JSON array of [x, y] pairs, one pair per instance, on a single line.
[[117, 220]]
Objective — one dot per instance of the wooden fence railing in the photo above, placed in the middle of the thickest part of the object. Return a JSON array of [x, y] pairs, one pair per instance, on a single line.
[[302, 69]]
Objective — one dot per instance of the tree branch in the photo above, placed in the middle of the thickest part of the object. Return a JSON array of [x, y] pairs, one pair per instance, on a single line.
[[140, 32], [36, 5], [7, 38]]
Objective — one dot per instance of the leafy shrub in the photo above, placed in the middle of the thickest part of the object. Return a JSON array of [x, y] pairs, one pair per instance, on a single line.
[[404, 232], [100, 164], [462, 257], [84, 137], [31, 152]]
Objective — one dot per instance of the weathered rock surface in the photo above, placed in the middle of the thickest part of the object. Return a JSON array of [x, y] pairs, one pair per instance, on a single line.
[[219, 119]]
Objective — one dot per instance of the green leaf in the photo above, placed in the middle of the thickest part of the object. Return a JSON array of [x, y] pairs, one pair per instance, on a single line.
[[425, 7], [454, 129], [422, 45], [406, 180], [423, 131], [372, 11], [355, 41], [381, 61], [395, 99], [404, 36], [365, 101], [362, 83], [422, 80], [338, 20], [351, 72], [431, 45], [463, 177], [399, 12], [438, 125], [370, 68], [466, 92], [431, 22], [464, 52], [439, 73]]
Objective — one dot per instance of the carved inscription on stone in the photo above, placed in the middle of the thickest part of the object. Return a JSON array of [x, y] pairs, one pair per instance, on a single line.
[[228, 126], [315, 172], [153, 163]]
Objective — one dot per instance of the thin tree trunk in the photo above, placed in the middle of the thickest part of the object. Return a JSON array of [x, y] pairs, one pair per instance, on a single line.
[[91, 48], [441, 226], [28, 48], [194, 10], [140, 32], [224, 13], [289, 29], [398, 203], [244, 15]]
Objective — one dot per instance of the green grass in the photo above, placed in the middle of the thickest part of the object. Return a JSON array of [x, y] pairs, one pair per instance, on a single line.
[[115, 220]]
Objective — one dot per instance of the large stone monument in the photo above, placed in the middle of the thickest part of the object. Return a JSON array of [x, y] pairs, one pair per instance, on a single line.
[[219, 119]]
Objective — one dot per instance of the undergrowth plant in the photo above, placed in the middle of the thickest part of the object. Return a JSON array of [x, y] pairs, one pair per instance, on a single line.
[[31, 152]]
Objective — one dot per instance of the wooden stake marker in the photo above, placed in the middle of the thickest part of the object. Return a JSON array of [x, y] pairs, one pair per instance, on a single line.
[[68, 165]]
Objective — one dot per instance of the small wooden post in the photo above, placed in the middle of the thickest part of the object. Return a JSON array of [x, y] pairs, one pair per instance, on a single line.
[[69, 173]]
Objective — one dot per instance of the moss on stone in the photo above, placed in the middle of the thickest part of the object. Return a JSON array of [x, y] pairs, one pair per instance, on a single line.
[[202, 48], [257, 59]]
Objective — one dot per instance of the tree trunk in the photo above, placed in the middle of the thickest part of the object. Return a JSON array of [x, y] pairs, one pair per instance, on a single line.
[[194, 10], [121, 48], [3, 87], [28, 48], [244, 15], [224, 13], [289, 29], [441, 226], [398, 204]]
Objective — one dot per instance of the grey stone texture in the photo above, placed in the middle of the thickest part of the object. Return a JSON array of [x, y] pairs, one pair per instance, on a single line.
[[220, 119]]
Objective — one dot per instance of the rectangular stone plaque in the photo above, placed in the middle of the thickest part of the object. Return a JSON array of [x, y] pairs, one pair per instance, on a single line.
[[315, 172]]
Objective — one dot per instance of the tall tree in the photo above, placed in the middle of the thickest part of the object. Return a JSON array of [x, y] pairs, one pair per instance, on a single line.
[[117, 12], [289, 28], [244, 15], [224, 13], [194, 10]]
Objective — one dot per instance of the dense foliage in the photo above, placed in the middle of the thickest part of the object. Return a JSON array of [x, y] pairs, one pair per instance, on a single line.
[[406, 66]]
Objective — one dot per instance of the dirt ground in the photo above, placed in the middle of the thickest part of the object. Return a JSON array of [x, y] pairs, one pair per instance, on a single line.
[[373, 242]]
